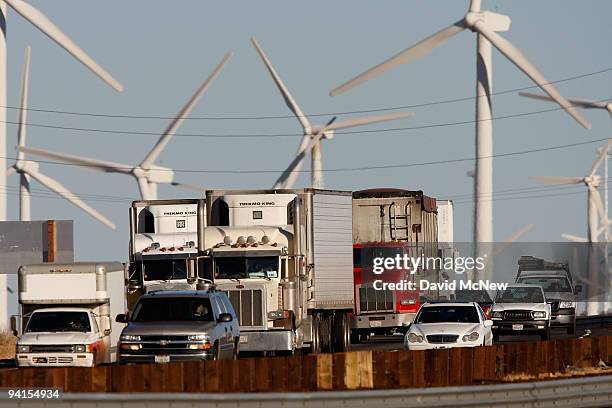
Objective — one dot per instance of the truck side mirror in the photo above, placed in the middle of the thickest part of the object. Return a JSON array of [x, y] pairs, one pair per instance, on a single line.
[[121, 318], [225, 318], [191, 271], [107, 332], [14, 325], [578, 288]]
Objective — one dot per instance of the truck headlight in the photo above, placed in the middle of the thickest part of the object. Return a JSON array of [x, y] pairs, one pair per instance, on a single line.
[[497, 315], [198, 337], [471, 337], [407, 302], [23, 349], [567, 304], [129, 337], [415, 338], [276, 314], [80, 348], [539, 315]]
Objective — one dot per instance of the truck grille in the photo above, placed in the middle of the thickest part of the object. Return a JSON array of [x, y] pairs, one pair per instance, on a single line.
[[248, 304], [442, 338], [51, 348], [165, 338], [372, 300], [517, 315]]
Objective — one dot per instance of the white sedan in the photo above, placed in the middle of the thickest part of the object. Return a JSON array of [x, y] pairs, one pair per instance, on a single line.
[[446, 325]]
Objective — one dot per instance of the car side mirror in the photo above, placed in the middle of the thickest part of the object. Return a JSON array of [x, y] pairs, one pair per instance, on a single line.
[[121, 318], [225, 318], [14, 326], [488, 323], [578, 288]]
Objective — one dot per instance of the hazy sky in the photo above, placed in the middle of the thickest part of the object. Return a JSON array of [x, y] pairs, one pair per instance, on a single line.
[[161, 51]]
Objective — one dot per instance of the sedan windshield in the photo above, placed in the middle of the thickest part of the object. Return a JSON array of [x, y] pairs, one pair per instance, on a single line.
[[520, 295], [448, 314], [246, 267], [164, 309], [59, 322]]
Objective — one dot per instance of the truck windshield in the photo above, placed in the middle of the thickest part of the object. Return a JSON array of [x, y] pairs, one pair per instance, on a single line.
[[549, 284], [246, 267], [58, 322], [520, 295], [448, 314], [164, 309], [164, 269], [363, 257]]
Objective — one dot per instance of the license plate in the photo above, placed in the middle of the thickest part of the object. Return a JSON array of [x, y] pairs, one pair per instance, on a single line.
[[517, 327], [162, 359], [244, 339], [375, 323]]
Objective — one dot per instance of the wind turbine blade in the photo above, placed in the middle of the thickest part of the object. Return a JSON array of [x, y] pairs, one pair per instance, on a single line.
[[519, 59], [59, 189], [143, 186], [289, 101], [291, 170], [40, 21], [574, 238], [510, 239], [581, 103], [189, 186], [596, 197], [182, 115], [417, 51], [23, 106], [348, 123], [601, 156], [558, 180], [86, 162], [10, 171]]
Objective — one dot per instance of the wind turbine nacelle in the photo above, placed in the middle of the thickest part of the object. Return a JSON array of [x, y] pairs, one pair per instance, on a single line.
[[159, 174], [27, 166], [495, 22]]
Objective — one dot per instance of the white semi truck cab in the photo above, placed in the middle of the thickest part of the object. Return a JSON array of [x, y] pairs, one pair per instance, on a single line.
[[284, 257], [67, 314], [164, 236]]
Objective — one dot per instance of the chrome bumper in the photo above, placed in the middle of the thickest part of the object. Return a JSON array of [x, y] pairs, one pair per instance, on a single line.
[[268, 340], [381, 320]]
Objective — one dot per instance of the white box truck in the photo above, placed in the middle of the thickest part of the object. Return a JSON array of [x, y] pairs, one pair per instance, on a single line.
[[67, 313], [285, 259]]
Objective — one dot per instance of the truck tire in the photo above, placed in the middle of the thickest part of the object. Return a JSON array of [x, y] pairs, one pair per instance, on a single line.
[[325, 333], [315, 343], [546, 334], [341, 333], [571, 330]]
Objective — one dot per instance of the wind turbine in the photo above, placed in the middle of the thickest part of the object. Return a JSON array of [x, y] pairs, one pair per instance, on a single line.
[[486, 25], [591, 181], [29, 170], [40, 21], [312, 136], [147, 174]]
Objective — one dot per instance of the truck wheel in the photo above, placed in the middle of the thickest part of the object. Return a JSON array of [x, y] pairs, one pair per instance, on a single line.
[[325, 333], [341, 333], [315, 343], [571, 330]]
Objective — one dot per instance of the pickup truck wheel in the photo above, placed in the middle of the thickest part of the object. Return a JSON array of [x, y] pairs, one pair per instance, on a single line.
[[571, 330], [546, 335]]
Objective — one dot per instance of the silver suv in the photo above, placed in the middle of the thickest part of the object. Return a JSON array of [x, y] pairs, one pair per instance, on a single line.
[[170, 326]]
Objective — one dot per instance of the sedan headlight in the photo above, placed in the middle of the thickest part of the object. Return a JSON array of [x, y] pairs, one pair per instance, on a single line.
[[497, 315], [80, 348], [415, 338], [129, 337], [198, 337], [471, 337], [567, 304], [539, 315], [23, 349]]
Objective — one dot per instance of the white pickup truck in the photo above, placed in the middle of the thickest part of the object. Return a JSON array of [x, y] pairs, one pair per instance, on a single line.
[[67, 314]]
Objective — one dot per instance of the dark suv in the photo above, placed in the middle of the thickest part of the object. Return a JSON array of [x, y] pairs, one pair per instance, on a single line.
[[179, 326]]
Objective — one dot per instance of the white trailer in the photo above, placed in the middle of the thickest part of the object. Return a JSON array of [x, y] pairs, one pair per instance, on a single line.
[[285, 259], [67, 313]]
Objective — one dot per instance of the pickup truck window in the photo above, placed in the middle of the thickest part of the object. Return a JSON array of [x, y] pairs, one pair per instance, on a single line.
[[548, 284], [164, 309], [520, 295], [246, 267], [448, 314], [58, 322], [162, 269]]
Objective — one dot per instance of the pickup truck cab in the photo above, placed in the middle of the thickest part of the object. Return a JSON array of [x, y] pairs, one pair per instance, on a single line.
[[61, 337], [170, 326], [521, 309]]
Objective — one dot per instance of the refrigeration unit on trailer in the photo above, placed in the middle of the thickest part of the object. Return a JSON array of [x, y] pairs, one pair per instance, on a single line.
[[67, 313], [388, 223], [164, 244], [285, 259]]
